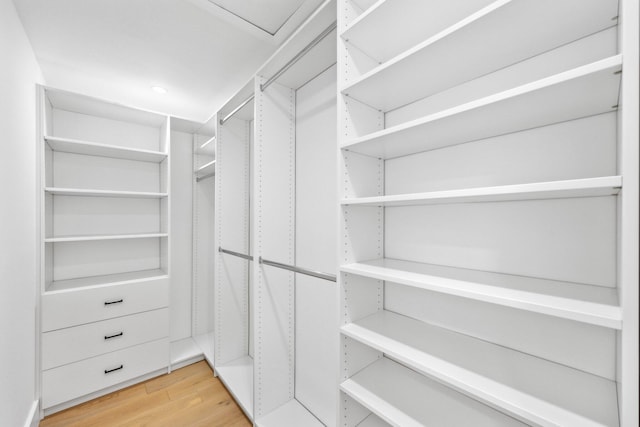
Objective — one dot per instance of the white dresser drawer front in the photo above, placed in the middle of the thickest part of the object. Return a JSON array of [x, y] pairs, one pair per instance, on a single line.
[[71, 381], [77, 307], [81, 342]]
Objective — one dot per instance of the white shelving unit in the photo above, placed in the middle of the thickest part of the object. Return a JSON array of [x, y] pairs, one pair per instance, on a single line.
[[484, 190], [294, 222], [233, 356], [105, 244]]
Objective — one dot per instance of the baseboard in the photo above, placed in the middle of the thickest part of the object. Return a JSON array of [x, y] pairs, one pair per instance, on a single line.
[[33, 419]]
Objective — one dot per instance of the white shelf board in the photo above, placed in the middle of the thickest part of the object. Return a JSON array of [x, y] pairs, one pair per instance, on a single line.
[[389, 27], [595, 305], [206, 169], [588, 187], [185, 350], [584, 91], [291, 414], [516, 383], [373, 421], [404, 398], [103, 193], [459, 53], [103, 150], [105, 280], [61, 239], [84, 104], [237, 377], [211, 140]]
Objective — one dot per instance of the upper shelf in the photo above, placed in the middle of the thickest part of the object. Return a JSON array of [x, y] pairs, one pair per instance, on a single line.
[[514, 30], [404, 398], [103, 193], [206, 169], [92, 238], [94, 149], [516, 383], [594, 305], [376, 31], [588, 187], [584, 91]]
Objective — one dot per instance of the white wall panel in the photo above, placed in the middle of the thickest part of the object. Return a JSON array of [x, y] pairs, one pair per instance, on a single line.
[[18, 221], [316, 221], [181, 234], [564, 239]]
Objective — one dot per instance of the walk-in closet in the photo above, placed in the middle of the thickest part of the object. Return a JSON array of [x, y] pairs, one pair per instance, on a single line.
[[308, 213]]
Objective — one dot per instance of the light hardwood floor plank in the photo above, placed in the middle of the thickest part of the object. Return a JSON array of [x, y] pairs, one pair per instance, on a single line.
[[187, 397]]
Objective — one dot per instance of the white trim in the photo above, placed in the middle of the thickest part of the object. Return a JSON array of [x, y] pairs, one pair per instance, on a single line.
[[33, 419]]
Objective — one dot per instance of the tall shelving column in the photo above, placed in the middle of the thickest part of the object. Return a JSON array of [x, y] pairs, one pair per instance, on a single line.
[[233, 289], [488, 199], [204, 249], [294, 370], [105, 247]]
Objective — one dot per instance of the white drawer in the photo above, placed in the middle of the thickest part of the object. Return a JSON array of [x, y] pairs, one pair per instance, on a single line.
[[76, 307], [81, 342], [71, 381]]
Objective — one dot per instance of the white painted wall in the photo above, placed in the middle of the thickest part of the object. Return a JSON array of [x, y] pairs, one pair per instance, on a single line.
[[18, 75], [181, 230]]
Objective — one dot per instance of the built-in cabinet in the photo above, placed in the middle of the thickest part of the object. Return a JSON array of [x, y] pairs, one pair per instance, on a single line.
[[485, 212], [104, 248]]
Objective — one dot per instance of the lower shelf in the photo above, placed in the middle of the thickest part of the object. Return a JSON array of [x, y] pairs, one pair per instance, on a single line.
[[531, 389], [237, 376], [184, 352], [291, 414], [402, 397]]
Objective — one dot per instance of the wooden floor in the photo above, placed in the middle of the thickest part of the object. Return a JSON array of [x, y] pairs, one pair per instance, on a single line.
[[190, 396]]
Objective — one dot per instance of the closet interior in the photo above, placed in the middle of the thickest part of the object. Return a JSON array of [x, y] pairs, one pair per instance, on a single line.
[[388, 224]]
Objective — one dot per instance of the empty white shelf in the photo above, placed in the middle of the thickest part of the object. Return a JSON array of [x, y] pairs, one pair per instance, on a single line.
[[61, 239], [95, 149], [237, 376], [207, 168], [514, 382], [291, 414], [584, 91], [404, 398], [207, 142], [594, 305], [103, 193], [389, 27], [106, 280], [513, 29], [588, 187]]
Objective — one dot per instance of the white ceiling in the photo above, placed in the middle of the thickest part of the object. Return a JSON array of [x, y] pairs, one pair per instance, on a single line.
[[201, 51]]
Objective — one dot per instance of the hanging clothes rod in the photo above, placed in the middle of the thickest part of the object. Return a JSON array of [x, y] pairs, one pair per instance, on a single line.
[[295, 269], [238, 108], [300, 54], [209, 175], [238, 254]]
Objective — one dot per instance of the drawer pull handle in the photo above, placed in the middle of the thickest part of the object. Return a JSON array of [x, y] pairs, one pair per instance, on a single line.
[[113, 302], [108, 337], [108, 371]]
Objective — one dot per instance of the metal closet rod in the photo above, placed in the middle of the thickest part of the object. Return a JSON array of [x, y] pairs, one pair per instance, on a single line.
[[295, 269], [299, 55], [238, 254], [238, 108], [209, 175]]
